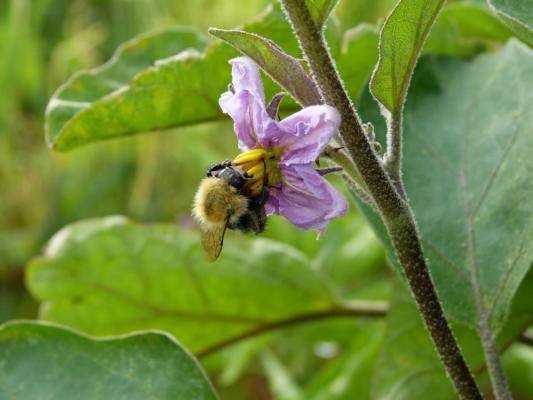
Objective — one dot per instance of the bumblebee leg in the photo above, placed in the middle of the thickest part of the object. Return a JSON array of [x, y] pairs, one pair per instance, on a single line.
[[263, 196]]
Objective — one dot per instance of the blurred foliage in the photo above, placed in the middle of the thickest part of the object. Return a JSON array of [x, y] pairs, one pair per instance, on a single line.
[[152, 178]]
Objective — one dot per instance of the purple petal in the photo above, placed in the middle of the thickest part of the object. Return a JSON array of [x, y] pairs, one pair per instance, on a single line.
[[246, 105], [306, 199], [306, 133], [245, 76]]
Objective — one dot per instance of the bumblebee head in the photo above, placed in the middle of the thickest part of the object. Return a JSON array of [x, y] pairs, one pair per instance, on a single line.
[[235, 178]]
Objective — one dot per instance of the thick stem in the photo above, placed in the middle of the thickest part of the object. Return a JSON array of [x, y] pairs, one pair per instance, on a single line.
[[394, 210]]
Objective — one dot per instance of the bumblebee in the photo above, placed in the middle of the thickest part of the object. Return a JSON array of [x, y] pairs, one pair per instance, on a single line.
[[224, 200]]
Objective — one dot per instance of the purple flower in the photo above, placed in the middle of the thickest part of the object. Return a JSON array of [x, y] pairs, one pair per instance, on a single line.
[[287, 148]]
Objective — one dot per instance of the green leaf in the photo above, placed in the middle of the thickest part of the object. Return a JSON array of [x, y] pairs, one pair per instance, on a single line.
[[97, 97], [43, 361], [401, 41], [465, 29], [407, 366], [111, 276], [154, 82], [518, 15], [287, 71], [462, 29], [472, 120], [321, 10]]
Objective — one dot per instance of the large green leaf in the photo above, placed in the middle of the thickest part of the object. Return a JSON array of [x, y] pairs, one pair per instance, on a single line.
[[401, 41], [407, 366], [42, 361], [154, 82], [518, 15], [83, 102], [112, 276], [467, 138]]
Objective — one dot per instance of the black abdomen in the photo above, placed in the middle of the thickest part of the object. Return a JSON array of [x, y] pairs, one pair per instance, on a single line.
[[253, 220]]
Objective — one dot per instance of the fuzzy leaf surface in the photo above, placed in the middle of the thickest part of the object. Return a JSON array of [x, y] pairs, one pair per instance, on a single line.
[[407, 366], [99, 97], [42, 361], [287, 71], [111, 276], [401, 41]]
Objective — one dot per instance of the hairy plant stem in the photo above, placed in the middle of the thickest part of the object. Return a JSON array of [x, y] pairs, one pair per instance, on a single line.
[[394, 209], [393, 156]]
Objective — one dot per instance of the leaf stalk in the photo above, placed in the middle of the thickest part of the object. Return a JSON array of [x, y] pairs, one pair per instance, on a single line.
[[366, 309], [393, 156]]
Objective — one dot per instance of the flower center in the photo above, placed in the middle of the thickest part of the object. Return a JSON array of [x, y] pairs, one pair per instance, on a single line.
[[258, 162]]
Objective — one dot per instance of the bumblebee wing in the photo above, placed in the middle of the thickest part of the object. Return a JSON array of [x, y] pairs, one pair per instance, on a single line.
[[212, 240]]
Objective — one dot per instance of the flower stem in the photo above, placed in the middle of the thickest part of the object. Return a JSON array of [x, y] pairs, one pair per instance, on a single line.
[[339, 157], [359, 191], [394, 209]]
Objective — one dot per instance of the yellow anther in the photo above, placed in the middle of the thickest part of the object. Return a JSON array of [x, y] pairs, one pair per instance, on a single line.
[[252, 155], [257, 171], [257, 163]]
